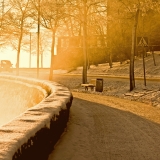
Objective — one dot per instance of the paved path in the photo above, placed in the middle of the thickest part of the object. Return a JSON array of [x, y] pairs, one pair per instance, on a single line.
[[107, 128]]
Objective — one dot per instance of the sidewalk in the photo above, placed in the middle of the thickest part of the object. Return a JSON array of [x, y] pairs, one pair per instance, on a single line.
[[108, 128]]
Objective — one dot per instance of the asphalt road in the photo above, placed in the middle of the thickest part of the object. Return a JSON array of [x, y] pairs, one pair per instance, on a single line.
[[107, 128]]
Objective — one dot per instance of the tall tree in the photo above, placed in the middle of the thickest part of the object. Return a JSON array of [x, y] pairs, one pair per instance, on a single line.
[[16, 22], [52, 13], [133, 51], [86, 14], [84, 75], [134, 10]]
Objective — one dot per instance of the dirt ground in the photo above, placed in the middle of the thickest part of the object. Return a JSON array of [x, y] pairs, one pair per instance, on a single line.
[[109, 128]]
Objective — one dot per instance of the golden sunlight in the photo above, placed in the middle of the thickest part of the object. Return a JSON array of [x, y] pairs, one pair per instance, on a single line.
[[9, 54]]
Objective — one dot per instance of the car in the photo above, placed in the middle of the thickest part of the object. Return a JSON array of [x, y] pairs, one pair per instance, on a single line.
[[5, 65]]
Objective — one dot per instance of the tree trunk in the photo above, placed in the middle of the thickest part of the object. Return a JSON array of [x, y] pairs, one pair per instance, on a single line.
[[42, 59], [109, 43], [38, 38], [110, 57], [19, 47], [41, 50], [52, 55], [30, 50], [84, 74], [18, 53], [133, 50]]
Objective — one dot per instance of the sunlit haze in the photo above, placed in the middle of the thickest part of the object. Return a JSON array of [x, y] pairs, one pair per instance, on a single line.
[[9, 54]]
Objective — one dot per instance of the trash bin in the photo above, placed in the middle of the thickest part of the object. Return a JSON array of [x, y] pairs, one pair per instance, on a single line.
[[99, 84]]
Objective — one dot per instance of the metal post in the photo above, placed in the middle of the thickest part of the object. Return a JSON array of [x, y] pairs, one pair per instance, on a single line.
[[144, 53], [144, 70]]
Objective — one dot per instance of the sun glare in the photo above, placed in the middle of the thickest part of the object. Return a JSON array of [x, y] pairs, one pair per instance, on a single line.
[[9, 54]]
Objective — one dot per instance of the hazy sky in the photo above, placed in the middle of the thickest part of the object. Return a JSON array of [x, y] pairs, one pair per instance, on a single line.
[[9, 54]]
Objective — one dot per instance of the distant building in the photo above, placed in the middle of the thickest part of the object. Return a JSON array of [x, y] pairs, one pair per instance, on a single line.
[[71, 49]]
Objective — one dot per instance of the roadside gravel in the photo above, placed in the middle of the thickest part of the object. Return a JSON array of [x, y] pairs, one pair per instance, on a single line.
[[117, 87]]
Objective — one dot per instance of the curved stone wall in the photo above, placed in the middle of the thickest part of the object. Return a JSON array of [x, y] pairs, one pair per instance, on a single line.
[[33, 134]]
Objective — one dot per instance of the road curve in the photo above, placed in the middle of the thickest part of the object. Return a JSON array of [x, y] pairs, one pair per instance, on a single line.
[[107, 128]]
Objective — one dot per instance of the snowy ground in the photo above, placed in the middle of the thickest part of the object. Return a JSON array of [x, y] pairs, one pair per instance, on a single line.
[[120, 88], [123, 69]]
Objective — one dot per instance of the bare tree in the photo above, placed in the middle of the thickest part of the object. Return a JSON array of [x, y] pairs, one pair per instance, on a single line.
[[132, 79], [134, 10], [45, 43], [84, 13], [5, 8], [16, 23], [52, 13]]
